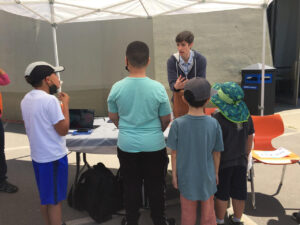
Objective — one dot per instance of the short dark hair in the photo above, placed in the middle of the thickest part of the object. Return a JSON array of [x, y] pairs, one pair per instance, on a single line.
[[190, 98], [137, 54], [187, 36], [34, 83]]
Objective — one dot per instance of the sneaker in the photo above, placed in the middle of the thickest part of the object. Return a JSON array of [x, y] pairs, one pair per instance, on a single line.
[[171, 221], [7, 187], [296, 217], [231, 222]]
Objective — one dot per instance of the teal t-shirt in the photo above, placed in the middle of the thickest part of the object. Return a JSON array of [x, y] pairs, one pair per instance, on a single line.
[[139, 103], [195, 138]]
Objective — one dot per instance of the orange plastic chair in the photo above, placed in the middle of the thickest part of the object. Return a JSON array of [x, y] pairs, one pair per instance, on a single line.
[[266, 129], [209, 111]]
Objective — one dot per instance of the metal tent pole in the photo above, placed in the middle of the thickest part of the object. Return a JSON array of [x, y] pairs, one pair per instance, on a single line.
[[54, 36], [55, 44], [262, 96]]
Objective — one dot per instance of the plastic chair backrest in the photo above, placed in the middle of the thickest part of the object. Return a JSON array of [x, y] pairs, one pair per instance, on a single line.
[[209, 111], [266, 128]]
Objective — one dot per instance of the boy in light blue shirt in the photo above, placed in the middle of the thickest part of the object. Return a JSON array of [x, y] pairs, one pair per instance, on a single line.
[[196, 143], [140, 108]]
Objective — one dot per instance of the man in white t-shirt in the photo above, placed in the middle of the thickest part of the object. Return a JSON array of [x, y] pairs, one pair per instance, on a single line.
[[46, 122]]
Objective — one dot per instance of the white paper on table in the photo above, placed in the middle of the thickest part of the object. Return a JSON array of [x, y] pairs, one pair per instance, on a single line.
[[278, 153]]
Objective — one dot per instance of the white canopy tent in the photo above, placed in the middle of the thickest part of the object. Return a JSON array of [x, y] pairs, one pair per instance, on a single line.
[[69, 11]]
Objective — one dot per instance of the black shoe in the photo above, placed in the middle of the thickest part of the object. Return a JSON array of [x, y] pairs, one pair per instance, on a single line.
[[7, 187], [296, 217], [124, 222], [171, 221], [231, 222]]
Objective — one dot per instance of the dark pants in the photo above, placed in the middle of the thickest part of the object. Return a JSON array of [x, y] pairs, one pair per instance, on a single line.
[[150, 168], [3, 167]]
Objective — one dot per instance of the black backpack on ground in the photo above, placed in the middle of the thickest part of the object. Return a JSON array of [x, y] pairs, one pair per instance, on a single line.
[[98, 192]]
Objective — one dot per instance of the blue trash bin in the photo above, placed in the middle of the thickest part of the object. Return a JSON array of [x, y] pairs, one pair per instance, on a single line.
[[251, 84]]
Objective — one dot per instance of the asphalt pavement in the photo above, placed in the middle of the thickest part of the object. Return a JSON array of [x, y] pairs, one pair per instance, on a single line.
[[22, 208]]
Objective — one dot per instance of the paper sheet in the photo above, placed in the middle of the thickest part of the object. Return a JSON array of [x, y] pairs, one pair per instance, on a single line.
[[278, 153]]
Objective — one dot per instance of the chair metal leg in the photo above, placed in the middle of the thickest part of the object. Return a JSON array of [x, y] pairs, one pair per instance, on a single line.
[[281, 180], [252, 187], [283, 173]]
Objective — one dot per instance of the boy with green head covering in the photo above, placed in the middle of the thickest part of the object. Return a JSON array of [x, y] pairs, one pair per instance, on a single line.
[[237, 128]]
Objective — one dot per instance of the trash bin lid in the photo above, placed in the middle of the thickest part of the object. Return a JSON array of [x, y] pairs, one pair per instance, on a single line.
[[258, 66]]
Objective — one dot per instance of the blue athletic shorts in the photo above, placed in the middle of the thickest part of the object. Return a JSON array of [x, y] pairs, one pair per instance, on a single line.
[[52, 180]]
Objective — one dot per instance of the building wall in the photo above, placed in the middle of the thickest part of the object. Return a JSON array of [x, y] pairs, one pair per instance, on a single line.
[[93, 53], [230, 40]]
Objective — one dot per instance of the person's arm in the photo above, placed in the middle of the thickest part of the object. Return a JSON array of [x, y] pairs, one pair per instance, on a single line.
[[62, 127], [249, 144], [165, 121], [180, 82], [114, 117], [250, 136], [172, 73], [4, 78], [217, 157], [201, 70], [174, 172]]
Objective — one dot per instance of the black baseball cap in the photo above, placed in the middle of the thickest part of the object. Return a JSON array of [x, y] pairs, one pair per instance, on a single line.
[[199, 87]]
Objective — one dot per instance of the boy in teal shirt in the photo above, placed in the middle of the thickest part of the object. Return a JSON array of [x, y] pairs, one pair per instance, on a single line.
[[140, 108], [196, 143]]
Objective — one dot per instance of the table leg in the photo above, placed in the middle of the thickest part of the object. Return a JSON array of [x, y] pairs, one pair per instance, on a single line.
[[77, 166], [85, 161]]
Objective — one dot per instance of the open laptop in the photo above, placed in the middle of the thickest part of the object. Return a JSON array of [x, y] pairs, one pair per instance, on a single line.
[[82, 119]]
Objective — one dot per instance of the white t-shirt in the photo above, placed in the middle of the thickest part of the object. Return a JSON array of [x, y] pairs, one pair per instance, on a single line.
[[41, 111]]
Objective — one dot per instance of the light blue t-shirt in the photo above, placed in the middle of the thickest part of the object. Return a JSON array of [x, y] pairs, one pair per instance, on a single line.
[[195, 138], [139, 103]]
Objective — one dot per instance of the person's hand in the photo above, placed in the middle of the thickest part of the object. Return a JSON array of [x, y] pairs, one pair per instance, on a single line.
[[63, 97], [217, 178], [174, 181], [180, 82], [2, 72]]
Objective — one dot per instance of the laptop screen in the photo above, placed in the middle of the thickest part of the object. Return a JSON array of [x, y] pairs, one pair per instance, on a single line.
[[81, 118]]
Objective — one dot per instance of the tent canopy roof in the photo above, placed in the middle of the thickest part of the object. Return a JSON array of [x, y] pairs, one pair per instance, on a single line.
[[65, 11]]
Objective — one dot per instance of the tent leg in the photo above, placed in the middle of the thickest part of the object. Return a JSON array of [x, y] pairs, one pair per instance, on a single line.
[[55, 44], [55, 50], [262, 99], [54, 35]]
